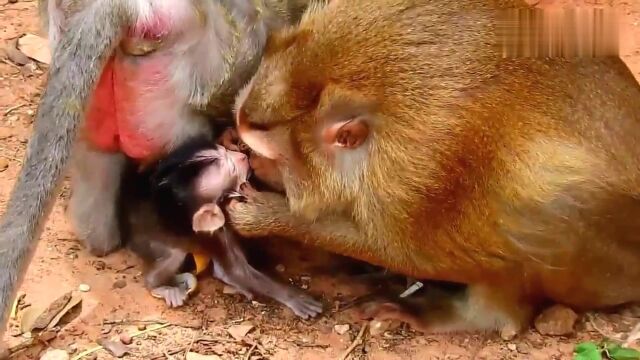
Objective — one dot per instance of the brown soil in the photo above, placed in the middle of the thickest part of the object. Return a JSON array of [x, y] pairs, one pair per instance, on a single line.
[[61, 264]]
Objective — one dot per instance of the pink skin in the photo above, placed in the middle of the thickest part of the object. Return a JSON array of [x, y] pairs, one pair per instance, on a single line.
[[231, 171], [135, 105]]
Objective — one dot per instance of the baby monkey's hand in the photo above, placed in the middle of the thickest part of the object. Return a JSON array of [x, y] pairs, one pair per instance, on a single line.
[[231, 140]]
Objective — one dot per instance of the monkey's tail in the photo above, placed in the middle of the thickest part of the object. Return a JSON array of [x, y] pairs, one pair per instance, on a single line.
[[77, 63]]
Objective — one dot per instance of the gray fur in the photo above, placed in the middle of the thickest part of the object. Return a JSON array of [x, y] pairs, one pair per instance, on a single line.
[[59, 115]]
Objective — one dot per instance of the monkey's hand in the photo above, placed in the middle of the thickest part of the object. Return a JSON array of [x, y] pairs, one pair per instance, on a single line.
[[261, 214], [231, 140], [266, 171]]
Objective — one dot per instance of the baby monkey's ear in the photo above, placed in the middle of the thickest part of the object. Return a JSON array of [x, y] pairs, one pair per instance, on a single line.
[[208, 219]]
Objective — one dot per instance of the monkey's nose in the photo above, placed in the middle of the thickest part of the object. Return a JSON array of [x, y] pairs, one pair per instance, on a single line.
[[241, 117]]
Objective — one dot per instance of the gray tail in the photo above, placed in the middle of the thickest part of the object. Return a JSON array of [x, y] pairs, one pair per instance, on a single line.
[[77, 63]]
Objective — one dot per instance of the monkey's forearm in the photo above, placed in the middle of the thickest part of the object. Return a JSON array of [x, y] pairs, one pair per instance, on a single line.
[[268, 214]]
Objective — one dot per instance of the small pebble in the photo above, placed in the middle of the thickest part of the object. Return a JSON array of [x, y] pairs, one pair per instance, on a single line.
[[378, 327], [522, 348], [55, 354], [119, 284], [125, 339], [142, 327], [512, 347], [280, 268], [341, 329], [84, 287], [556, 320]]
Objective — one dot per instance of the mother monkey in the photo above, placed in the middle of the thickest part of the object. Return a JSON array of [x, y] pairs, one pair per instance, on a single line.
[[405, 139]]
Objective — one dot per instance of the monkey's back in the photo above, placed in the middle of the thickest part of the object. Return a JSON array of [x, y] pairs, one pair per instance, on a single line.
[[527, 170]]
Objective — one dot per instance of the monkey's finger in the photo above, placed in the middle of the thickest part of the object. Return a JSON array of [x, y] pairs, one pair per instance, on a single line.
[[247, 190]]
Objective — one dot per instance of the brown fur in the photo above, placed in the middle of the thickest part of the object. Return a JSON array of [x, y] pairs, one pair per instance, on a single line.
[[520, 177]]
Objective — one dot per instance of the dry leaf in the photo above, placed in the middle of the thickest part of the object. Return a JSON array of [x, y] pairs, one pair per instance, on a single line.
[[238, 332], [196, 356], [115, 348], [35, 47], [38, 318], [15, 55], [75, 300]]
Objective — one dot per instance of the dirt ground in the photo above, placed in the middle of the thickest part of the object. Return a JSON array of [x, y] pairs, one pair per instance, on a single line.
[[203, 326]]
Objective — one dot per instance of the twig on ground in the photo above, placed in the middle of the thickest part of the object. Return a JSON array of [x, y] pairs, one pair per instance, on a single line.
[[13, 108], [167, 355], [605, 334], [193, 340], [9, 157], [633, 335], [23, 345], [356, 342], [10, 63], [248, 356], [170, 352], [135, 334], [125, 268], [303, 345], [196, 326], [14, 307]]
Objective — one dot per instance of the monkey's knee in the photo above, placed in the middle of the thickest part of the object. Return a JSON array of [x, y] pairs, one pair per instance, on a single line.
[[97, 228], [93, 206]]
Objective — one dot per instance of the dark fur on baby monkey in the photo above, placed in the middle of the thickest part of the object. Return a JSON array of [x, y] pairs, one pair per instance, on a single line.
[[172, 210]]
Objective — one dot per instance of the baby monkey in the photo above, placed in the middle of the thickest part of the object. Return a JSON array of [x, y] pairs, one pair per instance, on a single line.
[[173, 208]]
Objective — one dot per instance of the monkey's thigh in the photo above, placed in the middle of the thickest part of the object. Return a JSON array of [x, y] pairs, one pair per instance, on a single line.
[[95, 186]]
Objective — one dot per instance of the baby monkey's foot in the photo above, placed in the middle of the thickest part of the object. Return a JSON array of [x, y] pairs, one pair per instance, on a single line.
[[176, 296], [303, 305]]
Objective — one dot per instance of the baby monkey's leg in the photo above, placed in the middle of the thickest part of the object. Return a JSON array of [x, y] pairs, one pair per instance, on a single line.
[[231, 266], [163, 280]]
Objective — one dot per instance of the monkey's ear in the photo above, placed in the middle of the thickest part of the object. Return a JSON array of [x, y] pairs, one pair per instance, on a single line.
[[208, 218], [349, 134], [345, 117]]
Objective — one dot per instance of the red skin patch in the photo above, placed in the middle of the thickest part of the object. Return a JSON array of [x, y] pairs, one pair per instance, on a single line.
[[115, 118]]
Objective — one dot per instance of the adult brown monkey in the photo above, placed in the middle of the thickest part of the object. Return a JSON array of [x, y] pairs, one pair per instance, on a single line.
[[406, 140], [144, 72]]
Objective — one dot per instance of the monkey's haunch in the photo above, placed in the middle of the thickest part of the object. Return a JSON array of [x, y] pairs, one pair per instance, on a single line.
[[126, 93]]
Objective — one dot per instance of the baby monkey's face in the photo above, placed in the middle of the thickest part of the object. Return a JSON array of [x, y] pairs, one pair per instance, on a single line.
[[226, 172]]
